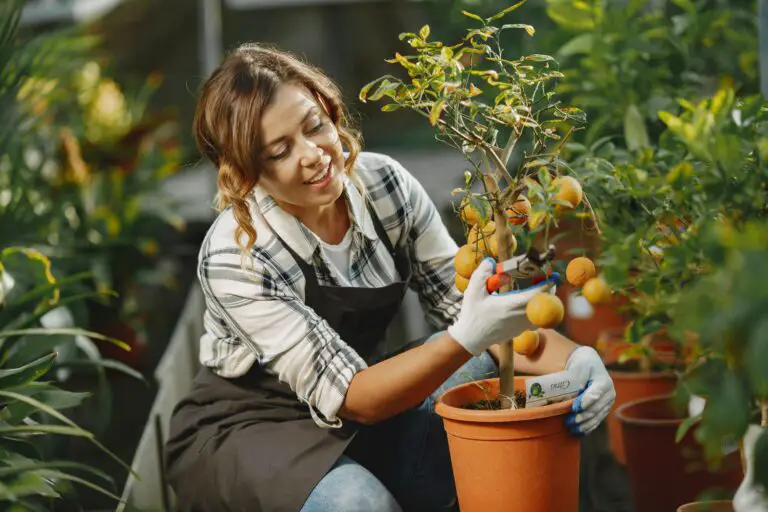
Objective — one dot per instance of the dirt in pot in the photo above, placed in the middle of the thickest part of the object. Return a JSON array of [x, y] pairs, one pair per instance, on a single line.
[[495, 404]]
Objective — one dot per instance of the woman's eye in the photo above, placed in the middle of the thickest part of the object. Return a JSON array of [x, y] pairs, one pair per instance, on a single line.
[[279, 156], [317, 127]]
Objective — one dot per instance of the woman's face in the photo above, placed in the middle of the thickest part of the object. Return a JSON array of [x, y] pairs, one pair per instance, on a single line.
[[302, 150]]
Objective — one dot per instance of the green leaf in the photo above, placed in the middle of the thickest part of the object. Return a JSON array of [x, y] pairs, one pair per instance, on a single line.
[[571, 15], [104, 363], [473, 16], [363, 94], [685, 426], [27, 373], [581, 44], [424, 32], [728, 407], [64, 330], [635, 131], [755, 357], [25, 430], [15, 412], [506, 11], [760, 456], [686, 5], [27, 484], [537, 57], [528, 28], [389, 107], [437, 109], [33, 465], [50, 473]]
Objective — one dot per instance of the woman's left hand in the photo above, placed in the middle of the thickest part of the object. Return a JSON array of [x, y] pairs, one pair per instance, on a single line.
[[593, 403]]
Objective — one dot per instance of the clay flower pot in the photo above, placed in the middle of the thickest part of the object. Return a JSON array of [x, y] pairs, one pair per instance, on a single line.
[[512, 460], [585, 323], [707, 506], [631, 384], [664, 474]]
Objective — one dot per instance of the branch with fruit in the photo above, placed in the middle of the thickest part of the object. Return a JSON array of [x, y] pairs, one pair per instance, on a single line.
[[502, 113]]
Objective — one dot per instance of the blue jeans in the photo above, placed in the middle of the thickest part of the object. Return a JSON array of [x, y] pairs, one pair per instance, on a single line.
[[413, 470]]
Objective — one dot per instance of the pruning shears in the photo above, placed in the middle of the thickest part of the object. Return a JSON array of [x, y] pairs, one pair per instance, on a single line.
[[524, 266]]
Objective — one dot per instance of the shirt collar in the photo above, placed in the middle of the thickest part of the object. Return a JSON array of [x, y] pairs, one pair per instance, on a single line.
[[297, 235]]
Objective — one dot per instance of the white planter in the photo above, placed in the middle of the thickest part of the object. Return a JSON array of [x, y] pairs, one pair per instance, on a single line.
[[750, 497]]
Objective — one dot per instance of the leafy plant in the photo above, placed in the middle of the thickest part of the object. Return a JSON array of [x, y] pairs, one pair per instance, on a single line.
[[501, 112], [727, 312], [32, 291], [624, 62]]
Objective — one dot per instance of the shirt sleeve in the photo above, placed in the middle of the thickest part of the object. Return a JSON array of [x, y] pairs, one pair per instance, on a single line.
[[432, 251], [288, 338]]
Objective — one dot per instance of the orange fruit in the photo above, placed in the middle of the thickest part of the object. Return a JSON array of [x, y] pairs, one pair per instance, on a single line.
[[461, 282], [466, 261], [471, 215], [494, 246], [569, 190], [527, 343], [579, 271], [479, 238], [545, 310], [596, 291], [518, 212]]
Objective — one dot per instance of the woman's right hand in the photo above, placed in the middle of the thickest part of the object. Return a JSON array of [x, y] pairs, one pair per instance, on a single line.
[[486, 319]]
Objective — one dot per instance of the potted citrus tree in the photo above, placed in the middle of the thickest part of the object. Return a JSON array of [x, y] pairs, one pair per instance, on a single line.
[[708, 170], [727, 312], [500, 112]]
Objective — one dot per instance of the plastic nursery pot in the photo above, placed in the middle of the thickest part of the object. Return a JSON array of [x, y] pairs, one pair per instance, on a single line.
[[664, 474], [707, 506], [522, 460], [585, 323], [630, 384]]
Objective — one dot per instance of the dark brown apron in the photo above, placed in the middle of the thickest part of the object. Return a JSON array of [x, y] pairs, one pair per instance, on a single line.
[[248, 444]]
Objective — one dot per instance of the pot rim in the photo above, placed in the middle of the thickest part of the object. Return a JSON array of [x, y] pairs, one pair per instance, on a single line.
[[497, 416], [644, 422]]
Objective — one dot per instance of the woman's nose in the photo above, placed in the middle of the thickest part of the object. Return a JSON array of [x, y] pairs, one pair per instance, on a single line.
[[311, 154]]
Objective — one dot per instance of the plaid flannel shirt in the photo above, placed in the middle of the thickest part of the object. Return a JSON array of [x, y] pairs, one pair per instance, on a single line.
[[255, 310]]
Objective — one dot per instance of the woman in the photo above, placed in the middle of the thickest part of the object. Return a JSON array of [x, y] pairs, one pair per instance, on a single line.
[[297, 406]]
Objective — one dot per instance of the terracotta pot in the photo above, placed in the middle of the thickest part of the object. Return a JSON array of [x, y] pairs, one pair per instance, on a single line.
[[663, 474], [521, 460], [585, 323], [707, 506], [631, 384]]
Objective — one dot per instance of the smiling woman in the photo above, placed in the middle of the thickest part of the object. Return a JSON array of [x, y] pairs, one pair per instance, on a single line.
[[297, 407]]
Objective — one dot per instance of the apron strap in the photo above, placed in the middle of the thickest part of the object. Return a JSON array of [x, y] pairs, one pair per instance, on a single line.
[[379, 227]]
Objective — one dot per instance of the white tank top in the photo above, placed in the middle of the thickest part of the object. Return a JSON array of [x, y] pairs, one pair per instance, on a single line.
[[339, 255]]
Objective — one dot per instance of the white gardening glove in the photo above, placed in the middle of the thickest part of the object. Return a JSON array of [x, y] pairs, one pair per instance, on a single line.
[[594, 402], [486, 319]]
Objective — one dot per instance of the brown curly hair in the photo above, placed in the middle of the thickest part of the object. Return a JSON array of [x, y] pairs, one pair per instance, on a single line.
[[228, 117]]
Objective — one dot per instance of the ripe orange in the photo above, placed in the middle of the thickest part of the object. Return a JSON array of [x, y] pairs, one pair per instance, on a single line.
[[518, 212], [471, 215], [569, 190], [494, 246], [596, 291], [479, 238], [545, 310], [579, 271], [461, 282], [466, 261], [527, 343]]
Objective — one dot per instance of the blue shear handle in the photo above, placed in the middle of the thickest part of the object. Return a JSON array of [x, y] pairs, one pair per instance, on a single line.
[[554, 279]]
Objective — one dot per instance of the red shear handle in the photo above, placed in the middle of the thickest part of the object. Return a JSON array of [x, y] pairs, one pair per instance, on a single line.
[[493, 283]]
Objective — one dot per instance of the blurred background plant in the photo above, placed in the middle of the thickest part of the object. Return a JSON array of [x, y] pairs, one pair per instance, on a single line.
[[42, 307], [727, 310]]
